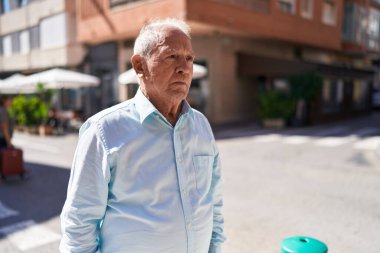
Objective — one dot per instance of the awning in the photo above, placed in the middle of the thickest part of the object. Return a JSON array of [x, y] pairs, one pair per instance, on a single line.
[[253, 65]]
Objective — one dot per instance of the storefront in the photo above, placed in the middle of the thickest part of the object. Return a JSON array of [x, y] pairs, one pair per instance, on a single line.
[[345, 90]]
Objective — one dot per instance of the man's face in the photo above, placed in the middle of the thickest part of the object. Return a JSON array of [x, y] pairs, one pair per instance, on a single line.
[[169, 67]]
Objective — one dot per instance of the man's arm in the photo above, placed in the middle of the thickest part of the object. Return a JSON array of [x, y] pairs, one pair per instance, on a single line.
[[7, 135], [217, 233], [86, 194], [4, 125]]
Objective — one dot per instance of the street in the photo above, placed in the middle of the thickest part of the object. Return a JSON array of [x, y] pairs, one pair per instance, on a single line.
[[321, 181]]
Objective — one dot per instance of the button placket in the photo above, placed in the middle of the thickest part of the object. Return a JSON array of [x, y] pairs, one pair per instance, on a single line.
[[186, 204]]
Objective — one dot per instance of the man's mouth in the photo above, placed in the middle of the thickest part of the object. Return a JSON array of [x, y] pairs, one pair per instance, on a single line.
[[180, 83]]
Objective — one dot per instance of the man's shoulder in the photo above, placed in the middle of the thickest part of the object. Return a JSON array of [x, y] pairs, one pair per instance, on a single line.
[[110, 112], [110, 115], [201, 121], [199, 117]]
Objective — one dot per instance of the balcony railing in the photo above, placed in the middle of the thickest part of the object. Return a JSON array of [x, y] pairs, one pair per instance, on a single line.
[[114, 3], [255, 5]]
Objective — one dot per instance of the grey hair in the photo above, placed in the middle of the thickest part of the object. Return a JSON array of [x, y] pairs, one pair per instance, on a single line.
[[150, 35]]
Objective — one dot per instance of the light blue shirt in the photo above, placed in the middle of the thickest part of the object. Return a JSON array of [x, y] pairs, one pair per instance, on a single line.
[[140, 185]]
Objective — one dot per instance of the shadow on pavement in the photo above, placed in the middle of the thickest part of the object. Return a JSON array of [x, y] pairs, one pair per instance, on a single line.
[[38, 197], [360, 126]]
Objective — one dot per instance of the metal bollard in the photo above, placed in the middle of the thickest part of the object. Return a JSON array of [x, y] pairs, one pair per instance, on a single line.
[[302, 244]]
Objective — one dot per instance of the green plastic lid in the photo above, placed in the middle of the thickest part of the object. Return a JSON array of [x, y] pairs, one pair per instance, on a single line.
[[302, 244]]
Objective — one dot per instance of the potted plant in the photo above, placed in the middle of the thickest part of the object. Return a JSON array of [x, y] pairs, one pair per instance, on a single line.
[[275, 108], [28, 112], [45, 96]]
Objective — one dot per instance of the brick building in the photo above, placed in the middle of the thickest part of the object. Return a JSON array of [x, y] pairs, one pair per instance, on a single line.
[[246, 45]]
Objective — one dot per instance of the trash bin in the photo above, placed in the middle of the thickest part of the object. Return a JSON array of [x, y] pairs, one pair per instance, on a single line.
[[302, 244]]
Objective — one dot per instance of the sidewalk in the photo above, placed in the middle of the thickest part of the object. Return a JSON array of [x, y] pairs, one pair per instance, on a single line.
[[273, 188], [49, 150], [246, 129]]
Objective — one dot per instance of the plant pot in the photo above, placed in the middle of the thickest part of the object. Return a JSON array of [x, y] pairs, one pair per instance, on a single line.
[[32, 130], [20, 129], [274, 123], [44, 130]]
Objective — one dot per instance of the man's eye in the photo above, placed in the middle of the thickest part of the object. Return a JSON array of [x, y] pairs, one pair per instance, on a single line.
[[190, 58], [172, 56]]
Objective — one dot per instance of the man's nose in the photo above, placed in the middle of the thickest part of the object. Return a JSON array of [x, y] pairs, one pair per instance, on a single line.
[[184, 66]]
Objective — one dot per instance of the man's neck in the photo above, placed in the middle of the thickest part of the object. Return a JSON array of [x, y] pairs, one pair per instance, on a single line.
[[169, 109]]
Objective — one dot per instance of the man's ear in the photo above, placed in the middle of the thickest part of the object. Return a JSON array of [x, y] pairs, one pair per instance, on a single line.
[[138, 64]]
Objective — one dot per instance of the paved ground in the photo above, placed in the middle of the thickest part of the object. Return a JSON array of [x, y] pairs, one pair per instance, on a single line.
[[322, 182]]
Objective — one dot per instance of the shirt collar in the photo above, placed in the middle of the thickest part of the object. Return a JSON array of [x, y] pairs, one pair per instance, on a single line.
[[146, 108]]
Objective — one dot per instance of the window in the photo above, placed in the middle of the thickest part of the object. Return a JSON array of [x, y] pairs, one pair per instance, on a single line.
[[10, 5], [361, 25], [23, 2], [15, 38], [329, 12], [6, 6], [1, 46], [53, 31], [356, 19], [280, 84], [34, 37], [306, 8], [360, 93], [332, 95], [287, 6], [7, 46], [373, 29], [24, 42], [349, 22]]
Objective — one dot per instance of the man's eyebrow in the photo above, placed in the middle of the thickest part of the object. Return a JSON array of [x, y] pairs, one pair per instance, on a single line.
[[168, 50]]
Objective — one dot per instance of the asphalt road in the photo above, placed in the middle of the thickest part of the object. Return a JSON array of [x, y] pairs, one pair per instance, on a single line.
[[322, 182]]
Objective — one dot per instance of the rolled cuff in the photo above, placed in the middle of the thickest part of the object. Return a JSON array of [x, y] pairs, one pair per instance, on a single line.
[[215, 248]]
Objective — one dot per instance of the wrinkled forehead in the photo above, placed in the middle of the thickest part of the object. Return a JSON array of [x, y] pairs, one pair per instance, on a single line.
[[172, 38]]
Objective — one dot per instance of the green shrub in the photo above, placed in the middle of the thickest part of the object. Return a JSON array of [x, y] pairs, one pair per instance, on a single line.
[[305, 86], [28, 111], [274, 104]]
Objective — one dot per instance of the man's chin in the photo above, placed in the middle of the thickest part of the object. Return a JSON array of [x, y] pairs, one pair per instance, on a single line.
[[179, 94]]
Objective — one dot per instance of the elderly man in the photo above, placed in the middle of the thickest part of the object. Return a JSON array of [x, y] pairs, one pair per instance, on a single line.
[[146, 173]]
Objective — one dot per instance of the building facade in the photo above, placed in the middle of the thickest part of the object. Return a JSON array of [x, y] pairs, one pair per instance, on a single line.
[[247, 45], [37, 35]]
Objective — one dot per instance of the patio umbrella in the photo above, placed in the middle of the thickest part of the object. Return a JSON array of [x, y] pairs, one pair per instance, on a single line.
[[130, 76], [60, 78], [199, 71], [11, 85]]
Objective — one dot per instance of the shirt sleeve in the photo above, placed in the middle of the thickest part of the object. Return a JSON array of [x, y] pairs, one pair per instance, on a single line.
[[86, 194], [218, 236]]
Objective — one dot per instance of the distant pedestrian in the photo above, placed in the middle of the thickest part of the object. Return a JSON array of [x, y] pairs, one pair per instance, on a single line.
[[6, 122], [146, 176], [52, 119]]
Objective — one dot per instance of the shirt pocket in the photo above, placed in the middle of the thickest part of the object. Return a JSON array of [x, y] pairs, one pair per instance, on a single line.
[[203, 172]]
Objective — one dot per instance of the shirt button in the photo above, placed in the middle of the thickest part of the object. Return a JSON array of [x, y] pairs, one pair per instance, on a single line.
[[189, 225]]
